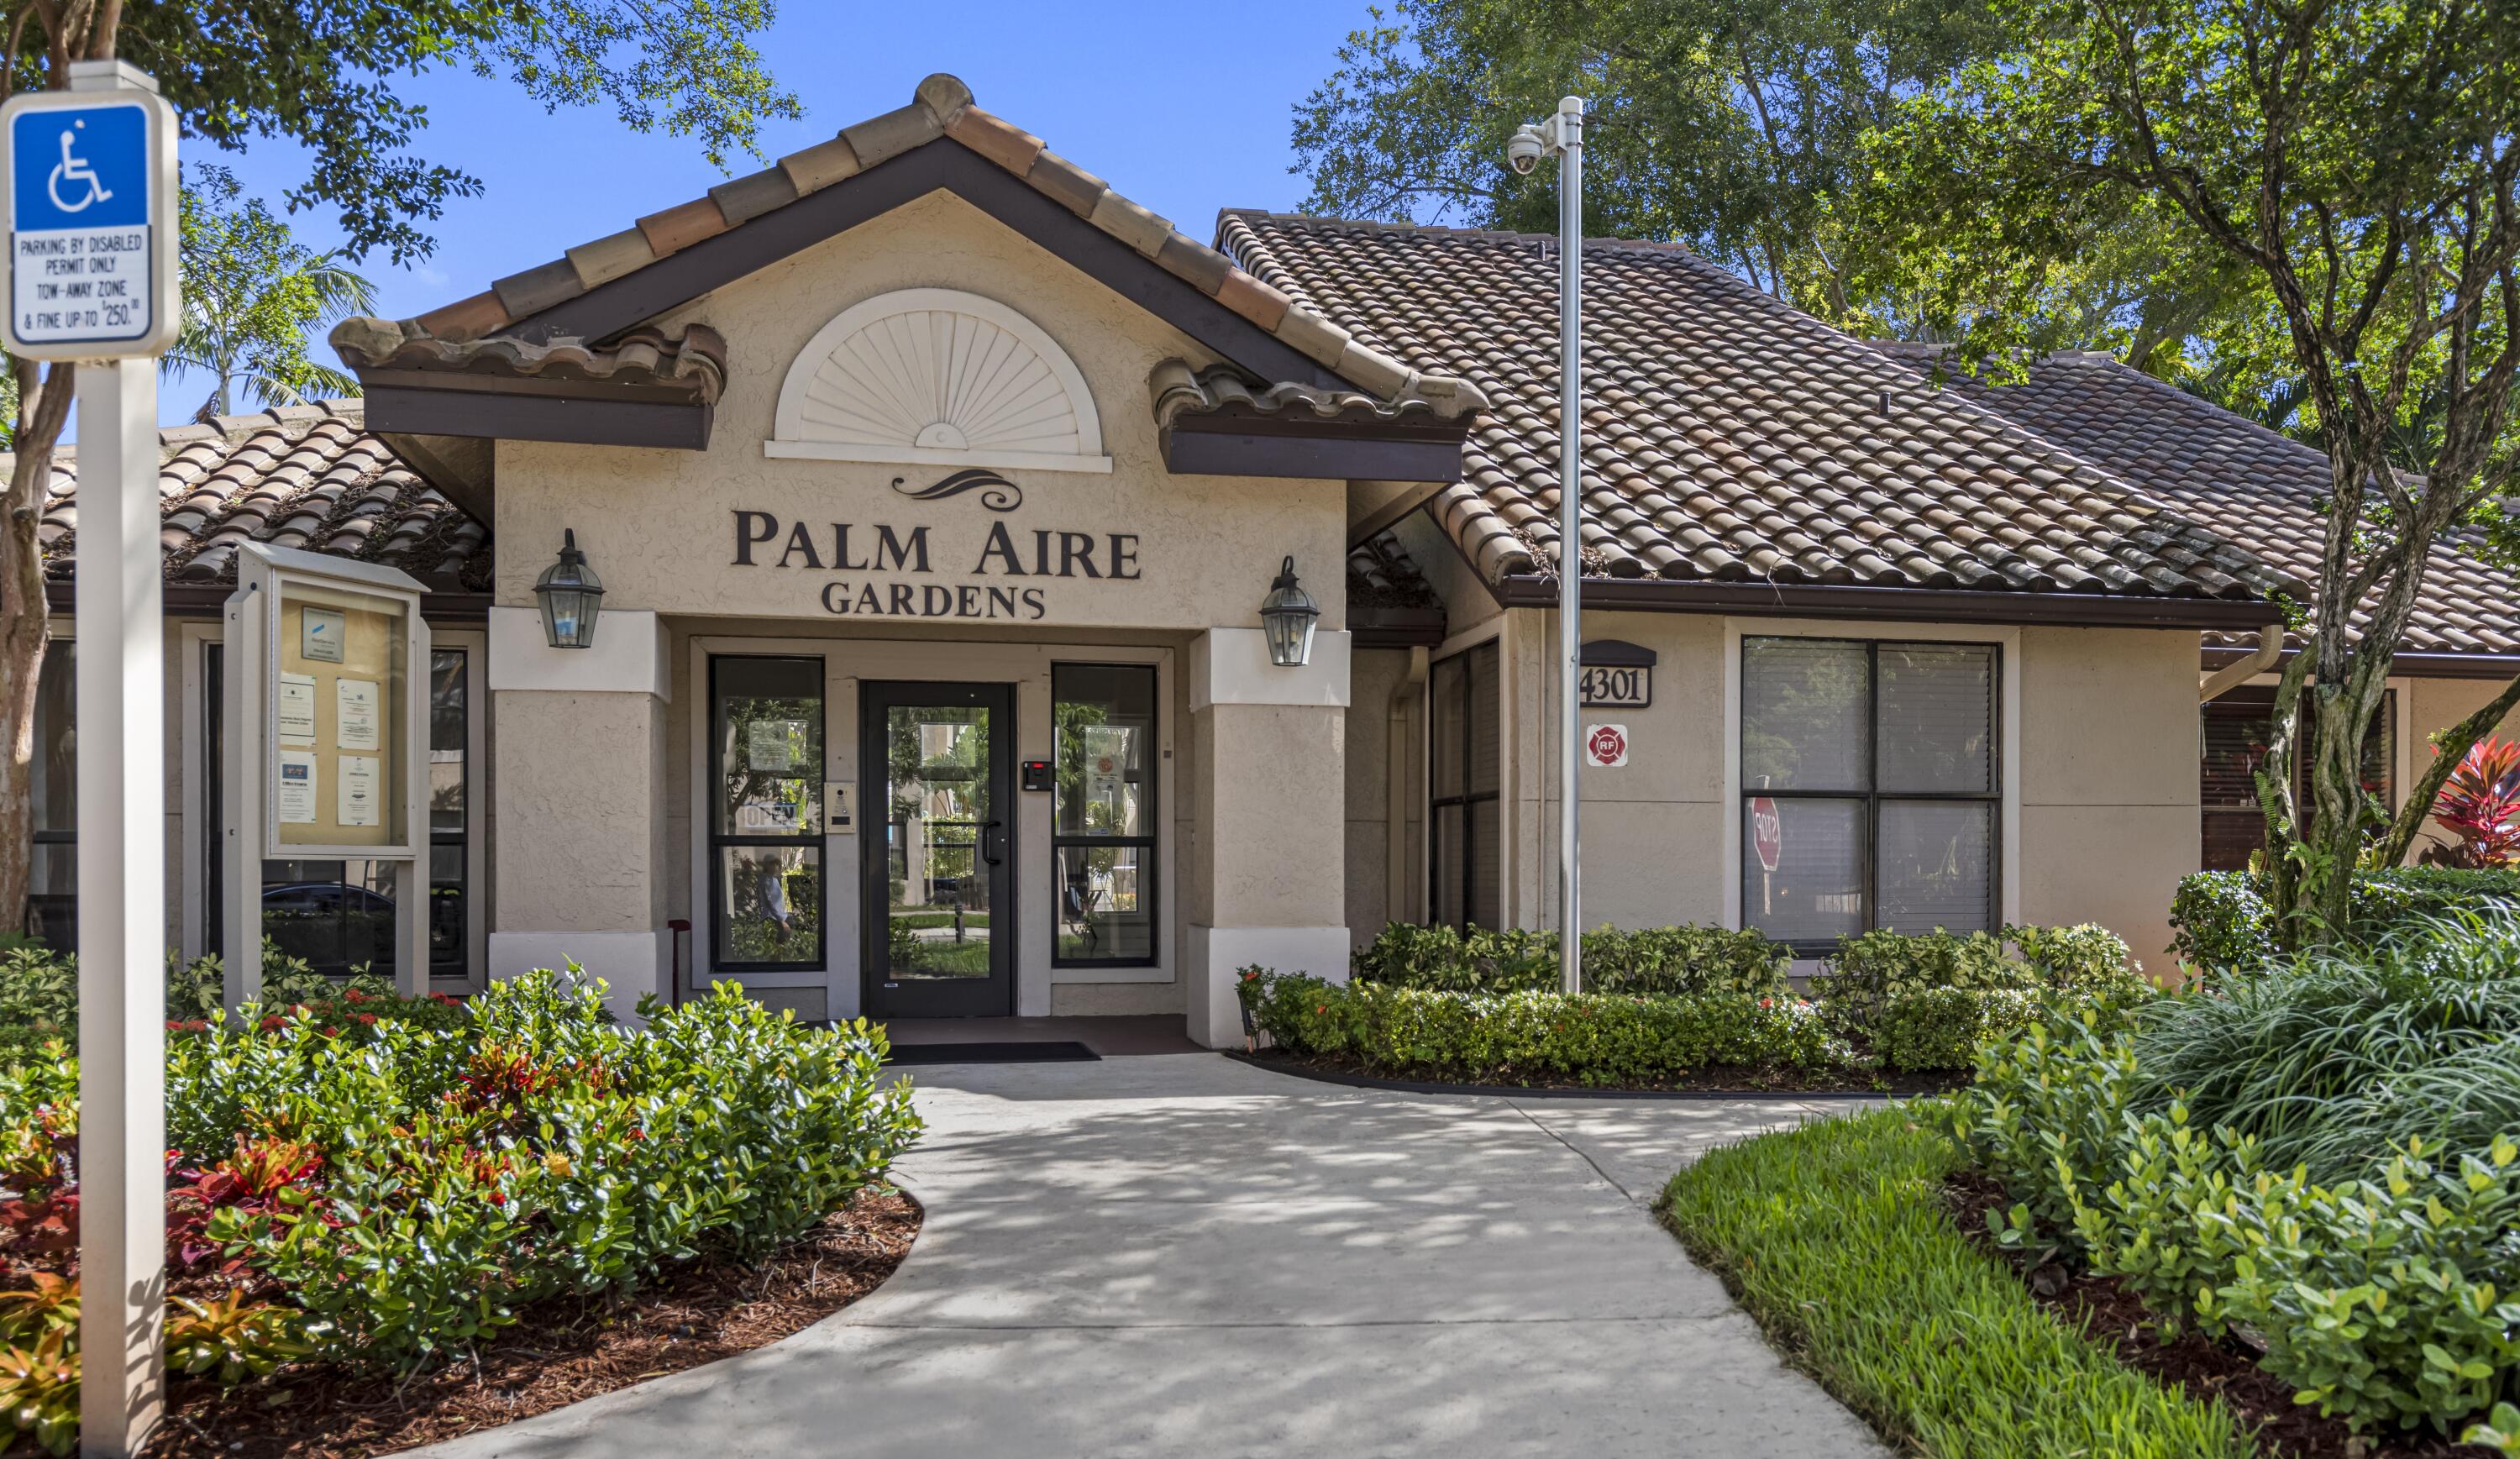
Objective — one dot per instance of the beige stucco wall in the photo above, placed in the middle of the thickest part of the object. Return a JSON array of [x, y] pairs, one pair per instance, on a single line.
[[1383, 718], [1651, 829], [2109, 819], [659, 525], [583, 824], [2105, 787]]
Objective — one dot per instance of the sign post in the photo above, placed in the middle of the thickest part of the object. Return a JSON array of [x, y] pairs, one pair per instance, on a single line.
[[89, 175]]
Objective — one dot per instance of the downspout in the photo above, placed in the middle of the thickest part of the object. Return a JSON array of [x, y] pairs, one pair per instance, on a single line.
[[2271, 641], [1399, 783]]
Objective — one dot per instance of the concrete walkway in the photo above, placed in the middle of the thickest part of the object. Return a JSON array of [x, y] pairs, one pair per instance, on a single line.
[[1179, 1255]]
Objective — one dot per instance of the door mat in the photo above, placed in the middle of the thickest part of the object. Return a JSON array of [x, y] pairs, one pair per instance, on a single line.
[[1058, 1051]]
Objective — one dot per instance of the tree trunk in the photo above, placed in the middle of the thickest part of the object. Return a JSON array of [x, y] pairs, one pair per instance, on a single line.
[[42, 409]]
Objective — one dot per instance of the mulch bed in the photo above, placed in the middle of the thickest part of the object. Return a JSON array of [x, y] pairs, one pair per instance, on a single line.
[[558, 1353], [2108, 1313], [1718, 1080]]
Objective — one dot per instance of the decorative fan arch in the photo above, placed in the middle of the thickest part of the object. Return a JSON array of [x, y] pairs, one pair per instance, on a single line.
[[937, 376]]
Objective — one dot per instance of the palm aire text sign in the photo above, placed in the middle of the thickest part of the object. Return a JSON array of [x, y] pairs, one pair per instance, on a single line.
[[883, 570]]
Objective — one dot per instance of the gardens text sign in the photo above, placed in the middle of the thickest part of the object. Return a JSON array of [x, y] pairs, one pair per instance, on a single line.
[[885, 570]]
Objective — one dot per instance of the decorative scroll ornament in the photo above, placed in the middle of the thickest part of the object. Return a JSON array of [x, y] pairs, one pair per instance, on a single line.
[[937, 376], [997, 493]]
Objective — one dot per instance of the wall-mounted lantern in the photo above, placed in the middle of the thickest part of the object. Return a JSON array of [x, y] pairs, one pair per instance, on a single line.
[[1287, 615], [571, 596]]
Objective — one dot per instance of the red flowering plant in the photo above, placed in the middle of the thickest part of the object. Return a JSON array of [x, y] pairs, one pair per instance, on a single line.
[[2481, 802]]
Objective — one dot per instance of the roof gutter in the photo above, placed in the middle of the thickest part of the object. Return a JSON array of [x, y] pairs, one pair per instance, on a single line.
[[2271, 642], [1906, 604]]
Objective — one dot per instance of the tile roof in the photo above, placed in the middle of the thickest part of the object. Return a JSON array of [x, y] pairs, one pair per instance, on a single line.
[[1381, 574], [941, 108], [299, 476], [1727, 437], [693, 361], [2231, 473]]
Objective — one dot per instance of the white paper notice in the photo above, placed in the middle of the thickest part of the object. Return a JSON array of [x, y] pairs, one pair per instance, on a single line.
[[355, 715], [297, 788], [297, 706], [361, 803]]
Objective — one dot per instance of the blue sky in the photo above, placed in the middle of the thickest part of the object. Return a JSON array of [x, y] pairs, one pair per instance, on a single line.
[[1184, 108]]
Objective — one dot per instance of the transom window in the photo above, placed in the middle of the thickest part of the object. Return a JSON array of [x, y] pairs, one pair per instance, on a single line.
[[1869, 788]]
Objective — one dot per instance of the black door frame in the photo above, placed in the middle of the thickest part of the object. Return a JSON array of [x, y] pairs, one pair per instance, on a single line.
[[982, 997]]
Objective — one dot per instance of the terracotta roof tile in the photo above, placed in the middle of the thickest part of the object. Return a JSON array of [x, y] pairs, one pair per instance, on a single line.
[[693, 361], [2256, 485], [1381, 574], [1726, 436], [308, 477]]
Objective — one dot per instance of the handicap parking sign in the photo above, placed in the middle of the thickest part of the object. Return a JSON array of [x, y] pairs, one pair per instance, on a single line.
[[90, 190]]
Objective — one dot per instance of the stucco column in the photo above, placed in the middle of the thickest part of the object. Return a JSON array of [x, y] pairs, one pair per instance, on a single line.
[[1267, 885], [577, 775]]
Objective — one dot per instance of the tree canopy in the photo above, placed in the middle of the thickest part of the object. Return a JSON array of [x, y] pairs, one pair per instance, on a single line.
[[253, 294], [325, 73], [2350, 167]]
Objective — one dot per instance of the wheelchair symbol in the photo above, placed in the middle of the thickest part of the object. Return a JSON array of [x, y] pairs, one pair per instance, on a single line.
[[75, 169]]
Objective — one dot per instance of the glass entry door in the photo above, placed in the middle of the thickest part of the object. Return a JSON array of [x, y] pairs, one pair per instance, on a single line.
[[938, 845]]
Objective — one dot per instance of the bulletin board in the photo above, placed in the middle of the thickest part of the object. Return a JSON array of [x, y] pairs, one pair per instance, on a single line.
[[341, 707]]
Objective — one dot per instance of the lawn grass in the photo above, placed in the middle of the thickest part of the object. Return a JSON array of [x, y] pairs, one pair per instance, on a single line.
[[1835, 1237]]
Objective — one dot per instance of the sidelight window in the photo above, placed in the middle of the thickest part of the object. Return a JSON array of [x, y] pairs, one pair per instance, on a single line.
[[1464, 776], [766, 882], [1102, 831]]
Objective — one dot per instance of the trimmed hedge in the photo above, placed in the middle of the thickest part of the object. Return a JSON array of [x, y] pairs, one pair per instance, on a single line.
[[1523, 1038], [1685, 960], [2224, 924], [1927, 1001], [1918, 1003]]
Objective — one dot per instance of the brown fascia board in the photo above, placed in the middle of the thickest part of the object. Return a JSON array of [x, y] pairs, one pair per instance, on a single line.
[[1395, 628], [1298, 443], [2417, 665], [1905, 604], [945, 165], [488, 405]]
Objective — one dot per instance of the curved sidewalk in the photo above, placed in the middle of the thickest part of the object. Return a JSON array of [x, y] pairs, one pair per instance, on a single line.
[[1179, 1255]]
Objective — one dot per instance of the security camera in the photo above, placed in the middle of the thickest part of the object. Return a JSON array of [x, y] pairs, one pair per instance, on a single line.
[[1524, 150]]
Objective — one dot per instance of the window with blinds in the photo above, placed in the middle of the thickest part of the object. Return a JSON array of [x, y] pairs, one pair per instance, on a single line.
[[1464, 776], [1870, 787], [2237, 732]]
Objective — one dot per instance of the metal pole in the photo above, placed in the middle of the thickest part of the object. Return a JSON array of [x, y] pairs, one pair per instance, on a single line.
[[121, 912], [1570, 538]]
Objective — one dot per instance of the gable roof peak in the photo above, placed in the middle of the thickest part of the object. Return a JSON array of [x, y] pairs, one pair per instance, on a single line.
[[521, 305]]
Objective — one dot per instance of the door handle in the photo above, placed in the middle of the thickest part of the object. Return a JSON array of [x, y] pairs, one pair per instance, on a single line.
[[992, 846]]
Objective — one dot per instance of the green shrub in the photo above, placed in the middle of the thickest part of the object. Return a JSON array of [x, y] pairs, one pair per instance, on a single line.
[[1928, 1000], [2224, 924], [39, 987], [1686, 959], [1519, 1038], [1649, 960], [1835, 1237], [2380, 1300], [408, 1181], [2339, 1057]]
